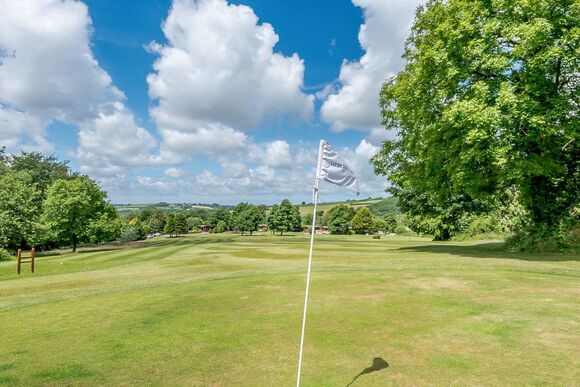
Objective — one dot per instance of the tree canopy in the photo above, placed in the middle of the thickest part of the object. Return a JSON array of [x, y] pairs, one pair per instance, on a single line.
[[362, 221], [284, 217], [247, 217], [338, 218], [74, 208], [488, 103]]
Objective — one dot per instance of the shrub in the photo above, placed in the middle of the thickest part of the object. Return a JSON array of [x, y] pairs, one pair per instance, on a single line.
[[219, 228], [4, 254], [130, 234], [400, 229]]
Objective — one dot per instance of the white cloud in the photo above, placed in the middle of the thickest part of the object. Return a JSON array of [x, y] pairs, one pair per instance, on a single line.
[[175, 172], [20, 130], [387, 25], [48, 68], [48, 72], [219, 73], [358, 159], [112, 140]]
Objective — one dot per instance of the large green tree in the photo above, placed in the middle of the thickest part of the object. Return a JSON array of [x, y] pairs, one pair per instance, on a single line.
[[73, 210], [284, 217], [18, 210], [488, 102], [246, 217], [339, 217], [362, 221], [221, 214]]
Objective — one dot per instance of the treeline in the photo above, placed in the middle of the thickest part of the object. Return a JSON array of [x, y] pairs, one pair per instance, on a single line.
[[43, 203]]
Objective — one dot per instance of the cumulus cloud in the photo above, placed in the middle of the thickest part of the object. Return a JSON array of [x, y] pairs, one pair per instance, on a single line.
[[218, 74], [386, 26], [48, 72], [112, 140], [22, 130], [175, 172], [239, 179]]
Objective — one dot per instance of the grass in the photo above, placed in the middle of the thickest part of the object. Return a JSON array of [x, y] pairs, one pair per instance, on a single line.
[[223, 310]]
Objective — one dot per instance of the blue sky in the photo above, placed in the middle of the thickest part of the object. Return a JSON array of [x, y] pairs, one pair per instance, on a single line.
[[200, 101]]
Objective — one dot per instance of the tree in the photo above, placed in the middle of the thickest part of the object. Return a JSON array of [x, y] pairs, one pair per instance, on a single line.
[[169, 227], [219, 228], [180, 224], [42, 170], [390, 222], [362, 222], [221, 214], [73, 209], [379, 224], [338, 218], [107, 227], [246, 217], [18, 211], [193, 222], [487, 102], [157, 222], [284, 217]]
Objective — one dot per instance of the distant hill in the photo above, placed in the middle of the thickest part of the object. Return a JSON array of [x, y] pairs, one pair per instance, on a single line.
[[378, 206]]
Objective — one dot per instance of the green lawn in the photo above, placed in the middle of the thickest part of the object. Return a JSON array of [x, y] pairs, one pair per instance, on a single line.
[[225, 310]]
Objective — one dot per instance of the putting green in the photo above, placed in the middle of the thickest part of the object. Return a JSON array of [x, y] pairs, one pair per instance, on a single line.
[[225, 310]]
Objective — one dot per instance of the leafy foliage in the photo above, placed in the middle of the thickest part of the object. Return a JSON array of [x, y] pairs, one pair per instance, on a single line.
[[487, 102], [73, 210], [362, 222], [247, 217], [284, 217], [221, 214], [156, 222], [386, 206], [18, 210], [338, 218], [219, 228], [181, 224]]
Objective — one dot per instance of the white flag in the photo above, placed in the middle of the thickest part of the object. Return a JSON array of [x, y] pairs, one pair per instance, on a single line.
[[334, 170]]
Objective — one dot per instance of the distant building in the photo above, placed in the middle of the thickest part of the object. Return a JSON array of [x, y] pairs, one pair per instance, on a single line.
[[203, 227]]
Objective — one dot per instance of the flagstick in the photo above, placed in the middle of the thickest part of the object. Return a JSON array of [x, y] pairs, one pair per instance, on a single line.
[[313, 231]]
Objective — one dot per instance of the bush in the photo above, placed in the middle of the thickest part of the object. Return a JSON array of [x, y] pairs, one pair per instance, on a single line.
[[541, 239], [400, 229], [219, 228], [4, 254], [130, 234]]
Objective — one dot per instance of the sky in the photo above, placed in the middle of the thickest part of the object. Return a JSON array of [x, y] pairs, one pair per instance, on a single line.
[[200, 101]]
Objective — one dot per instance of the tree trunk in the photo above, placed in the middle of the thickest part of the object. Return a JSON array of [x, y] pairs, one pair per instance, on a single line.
[[75, 242]]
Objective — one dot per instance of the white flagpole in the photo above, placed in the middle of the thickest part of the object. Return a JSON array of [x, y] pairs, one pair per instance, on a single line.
[[313, 231]]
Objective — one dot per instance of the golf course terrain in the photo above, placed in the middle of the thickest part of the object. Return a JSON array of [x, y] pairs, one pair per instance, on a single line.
[[226, 310]]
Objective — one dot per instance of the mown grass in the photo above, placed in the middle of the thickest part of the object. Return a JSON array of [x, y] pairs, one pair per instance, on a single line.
[[223, 310]]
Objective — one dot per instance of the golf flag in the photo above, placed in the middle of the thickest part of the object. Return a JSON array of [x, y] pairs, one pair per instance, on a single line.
[[334, 170]]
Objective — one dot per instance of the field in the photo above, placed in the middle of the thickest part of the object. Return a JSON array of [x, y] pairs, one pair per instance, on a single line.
[[356, 204], [225, 310]]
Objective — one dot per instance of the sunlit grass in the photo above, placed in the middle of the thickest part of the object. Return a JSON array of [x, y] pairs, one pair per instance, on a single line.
[[225, 310]]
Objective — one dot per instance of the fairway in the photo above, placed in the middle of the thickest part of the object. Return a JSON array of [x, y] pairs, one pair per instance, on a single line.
[[225, 310]]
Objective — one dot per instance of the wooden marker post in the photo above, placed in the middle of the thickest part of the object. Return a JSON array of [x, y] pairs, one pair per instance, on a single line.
[[31, 260]]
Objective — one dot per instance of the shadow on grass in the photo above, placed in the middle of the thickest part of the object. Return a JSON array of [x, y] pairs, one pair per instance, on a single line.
[[490, 250], [378, 364]]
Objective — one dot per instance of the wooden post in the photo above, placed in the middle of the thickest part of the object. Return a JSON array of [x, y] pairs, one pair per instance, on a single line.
[[32, 256], [21, 261]]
